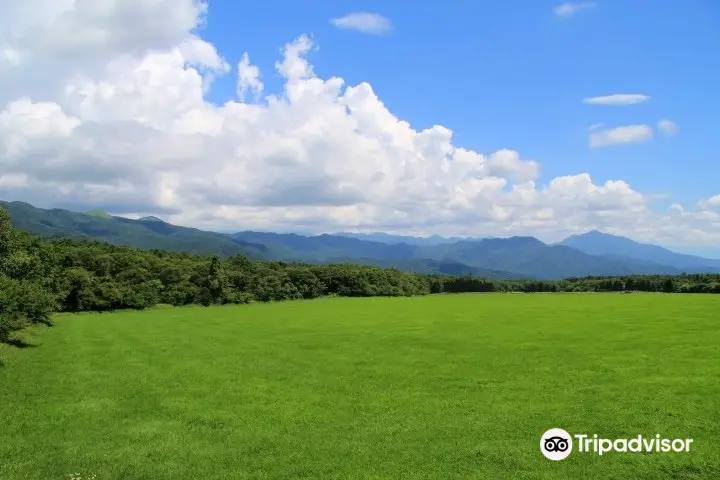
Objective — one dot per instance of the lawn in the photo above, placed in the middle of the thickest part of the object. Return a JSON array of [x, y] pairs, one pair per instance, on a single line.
[[439, 387]]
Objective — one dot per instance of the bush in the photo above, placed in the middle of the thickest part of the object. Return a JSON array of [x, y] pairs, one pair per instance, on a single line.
[[22, 303]]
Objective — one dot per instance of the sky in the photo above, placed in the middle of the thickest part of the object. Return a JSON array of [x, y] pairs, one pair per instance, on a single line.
[[466, 118]]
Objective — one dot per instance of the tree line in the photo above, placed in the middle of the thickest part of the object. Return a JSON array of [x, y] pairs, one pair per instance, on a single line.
[[39, 277]]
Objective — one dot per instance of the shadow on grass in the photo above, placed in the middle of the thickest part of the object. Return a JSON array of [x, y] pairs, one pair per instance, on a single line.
[[16, 343], [20, 343]]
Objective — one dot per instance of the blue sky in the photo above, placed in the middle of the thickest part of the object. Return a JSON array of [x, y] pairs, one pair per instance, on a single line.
[[513, 75]]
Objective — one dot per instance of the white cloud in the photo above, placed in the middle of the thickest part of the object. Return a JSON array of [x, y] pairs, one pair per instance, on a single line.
[[567, 10], [65, 28], [711, 203], [507, 164], [618, 135], [617, 99], [668, 128], [371, 23], [248, 78], [128, 128], [79, 37]]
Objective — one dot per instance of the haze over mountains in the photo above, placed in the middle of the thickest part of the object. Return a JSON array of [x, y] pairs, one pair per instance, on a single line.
[[598, 243], [592, 253]]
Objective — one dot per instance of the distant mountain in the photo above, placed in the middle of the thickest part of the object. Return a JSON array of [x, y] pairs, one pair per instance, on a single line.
[[712, 253], [434, 267], [593, 253], [622, 248], [152, 232], [340, 249], [393, 239], [290, 246], [56, 223], [99, 213], [151, 219], [528, 256]]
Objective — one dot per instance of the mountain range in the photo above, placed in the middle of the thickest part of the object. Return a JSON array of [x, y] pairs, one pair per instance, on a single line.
[[621, 248], [592, 253]]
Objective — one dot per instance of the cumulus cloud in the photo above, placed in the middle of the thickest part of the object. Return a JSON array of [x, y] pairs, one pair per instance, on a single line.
[[617, 99], [128, 128], [79, 37], [567, 10], [619, 135], [668, 128], [87, 28], [711, 203], [248, 78], [370, 23]]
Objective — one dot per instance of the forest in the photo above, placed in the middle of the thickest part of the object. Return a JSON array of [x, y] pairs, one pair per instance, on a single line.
[[39, 277]]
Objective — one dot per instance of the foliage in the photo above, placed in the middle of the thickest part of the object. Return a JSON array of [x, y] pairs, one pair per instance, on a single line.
[[24, 295]]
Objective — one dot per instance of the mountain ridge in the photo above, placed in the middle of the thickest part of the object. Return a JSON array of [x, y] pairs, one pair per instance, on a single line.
[[590, 254], [595, 242], [61, 223]]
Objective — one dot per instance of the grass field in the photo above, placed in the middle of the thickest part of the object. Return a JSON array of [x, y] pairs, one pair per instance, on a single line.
[[438, 387]]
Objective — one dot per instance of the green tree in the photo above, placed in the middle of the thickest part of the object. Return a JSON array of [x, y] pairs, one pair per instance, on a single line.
[[23, 297]]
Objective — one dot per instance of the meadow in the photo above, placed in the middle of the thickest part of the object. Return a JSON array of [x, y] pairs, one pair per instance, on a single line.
[[435, 387]]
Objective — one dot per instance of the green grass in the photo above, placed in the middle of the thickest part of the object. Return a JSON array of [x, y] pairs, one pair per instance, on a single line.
[[438, 387]]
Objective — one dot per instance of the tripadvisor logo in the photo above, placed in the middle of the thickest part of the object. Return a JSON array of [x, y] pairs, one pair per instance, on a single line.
[[557, 444]]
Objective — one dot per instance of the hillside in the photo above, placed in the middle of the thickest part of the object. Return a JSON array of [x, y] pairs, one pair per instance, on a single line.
[[152, 219], [515, 257], [290, 246], [340, 249], [152, 232], [57, 223], [98, 213], [430, 267], [622, 248], [529, 256], [394, 239]]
